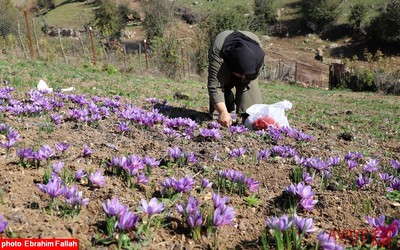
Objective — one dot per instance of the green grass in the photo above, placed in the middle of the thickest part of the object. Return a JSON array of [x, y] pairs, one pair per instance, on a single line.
[[69, 14]]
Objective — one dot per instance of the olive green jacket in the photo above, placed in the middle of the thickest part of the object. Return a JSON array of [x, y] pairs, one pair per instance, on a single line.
[[219, 75]]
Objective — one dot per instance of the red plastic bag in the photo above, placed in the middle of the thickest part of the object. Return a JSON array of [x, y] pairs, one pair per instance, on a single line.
[[264, 123]]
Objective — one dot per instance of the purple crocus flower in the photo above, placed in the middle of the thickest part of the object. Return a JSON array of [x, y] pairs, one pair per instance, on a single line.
[[191, 158], [97, 178], [45, 152], [56, 118], [334, 161], [3, 224], [279, 223], [304, 224], [263, 154], [7, 144], [223, 215], [152, 207], [62, 147], [362, 181], [214, 124], [151, 161], [142, 179], [175, 153], [218, 200], [113, 207], [252, 184], [87, 151], [184, 185], [386, 177], [57, 167], [375, 221], [127, 220], [73, 197], [195, 219], [25, 153], [308, 203], [205, 183], [237, 152], [394, 185], [371, 166], [307, 178], [351, 164], [53, 188], [327, 242], [395, 164], [79, 174], [304, 191]]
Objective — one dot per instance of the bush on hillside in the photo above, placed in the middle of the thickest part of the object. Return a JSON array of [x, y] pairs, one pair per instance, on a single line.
[[9, 16], [111, 18], [157, 16], [322, 13], [358, 12], [386, 26], [264, 15]]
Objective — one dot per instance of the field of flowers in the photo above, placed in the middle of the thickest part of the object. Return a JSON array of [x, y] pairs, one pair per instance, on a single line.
[[155, 173]]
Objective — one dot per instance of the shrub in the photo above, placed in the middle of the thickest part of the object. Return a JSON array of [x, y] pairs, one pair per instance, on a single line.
[[166, 52], [386, 26], [320, 12], [9, 16], [357, 15], [111, 18], [157, 16], [264, 15]]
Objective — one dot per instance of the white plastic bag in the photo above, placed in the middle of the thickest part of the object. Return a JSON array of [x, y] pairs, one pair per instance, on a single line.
[[275, 111]]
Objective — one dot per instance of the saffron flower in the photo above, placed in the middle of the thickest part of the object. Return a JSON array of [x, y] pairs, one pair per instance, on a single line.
[[62, 147], [127, 220], [219, 201], [46, 152], [3, 224], [97, 178], [87, 151], [53, 188], [153, 207], [327, 242], [113, 207], [371, 166], [304, 224], [79, 174], [223, 215], [175, 153], [142, 179], [395, 164], [375, 221], [205, 183], [57, 167], [351, 164], [279, 223], [362, 181], [183, 185], [237, 152]]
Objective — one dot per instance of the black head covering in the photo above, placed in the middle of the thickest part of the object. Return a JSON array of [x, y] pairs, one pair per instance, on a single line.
[[242, 54]]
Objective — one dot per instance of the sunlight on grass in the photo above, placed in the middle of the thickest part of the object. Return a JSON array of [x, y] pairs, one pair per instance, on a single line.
[[69, 15]]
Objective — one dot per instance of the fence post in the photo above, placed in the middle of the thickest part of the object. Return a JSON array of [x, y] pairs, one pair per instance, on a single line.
[[295, 72], [183, 63], [29, 35], [140, 57], [62, 47], [20, 40], [147, 56], [36, 39], [83, 47], [93, 50]]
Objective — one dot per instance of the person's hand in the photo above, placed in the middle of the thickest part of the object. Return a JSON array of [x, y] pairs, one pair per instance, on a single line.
[[225, 119]]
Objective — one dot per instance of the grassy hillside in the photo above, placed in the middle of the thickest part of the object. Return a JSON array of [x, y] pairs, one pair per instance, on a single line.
[[75, 14]]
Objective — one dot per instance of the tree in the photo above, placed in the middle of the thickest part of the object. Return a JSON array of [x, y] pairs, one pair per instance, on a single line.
[[9, 16], [157, 16], [320, 12], [264, 15], [357, 14], [110, 18], [386, 26]]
